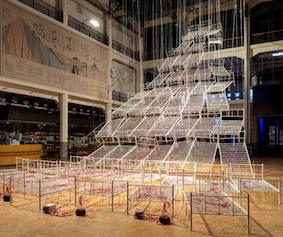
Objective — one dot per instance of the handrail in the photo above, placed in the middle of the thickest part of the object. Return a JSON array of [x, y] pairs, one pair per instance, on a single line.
[[45, 8], [87, 30], [267, 36]]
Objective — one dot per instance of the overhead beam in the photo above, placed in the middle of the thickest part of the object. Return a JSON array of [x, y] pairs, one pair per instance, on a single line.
[[224, 53], [266, 47], [230, 52], [190, 14]]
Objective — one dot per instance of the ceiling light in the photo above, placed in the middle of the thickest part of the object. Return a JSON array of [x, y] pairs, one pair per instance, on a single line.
[[94, 23], [215, 41], [2, 99], [277, 54], [14, 100]]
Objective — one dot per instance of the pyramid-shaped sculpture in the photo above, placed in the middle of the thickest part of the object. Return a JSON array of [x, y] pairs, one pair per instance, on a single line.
[[183, 116]]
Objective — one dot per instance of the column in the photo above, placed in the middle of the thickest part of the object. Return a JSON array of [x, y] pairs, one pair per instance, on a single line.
[[246, 93], [1, 45], [65, 12], [108, 112], [141, 79], [63, 101], [108, 107]]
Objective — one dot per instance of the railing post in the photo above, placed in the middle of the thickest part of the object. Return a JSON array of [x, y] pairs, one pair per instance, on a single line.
[[4, 179], [173, 196], [204, 203], [240, 189], [262, 170], [191, 211], [219, 210], [183, 180], [112, 195], [279, 188], [10, 187], [233, 206], [248, 213], [127, 198], [24, 185], [39, 194], [223, 180], [75, 191], [195, 182]]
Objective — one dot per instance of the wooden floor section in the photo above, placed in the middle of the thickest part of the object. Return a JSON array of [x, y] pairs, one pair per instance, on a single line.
[[266, 220]]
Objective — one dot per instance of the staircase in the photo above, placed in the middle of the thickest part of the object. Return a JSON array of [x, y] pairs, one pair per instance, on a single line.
[[236, 157], [203, 153]]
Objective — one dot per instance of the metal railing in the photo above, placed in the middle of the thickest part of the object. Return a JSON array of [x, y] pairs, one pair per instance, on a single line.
[[218, 204], [124, 50], [45, 8], [119, 96], [267, 36], [87, 30]]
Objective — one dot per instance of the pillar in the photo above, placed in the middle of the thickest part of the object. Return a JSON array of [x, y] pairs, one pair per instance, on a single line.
[[141, 79], [1, 45], [108, 107], [65, 12], [108, 112], [247, 50], [63, 100]]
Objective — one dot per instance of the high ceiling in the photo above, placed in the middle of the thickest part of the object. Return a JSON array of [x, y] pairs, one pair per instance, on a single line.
[[129, 12]]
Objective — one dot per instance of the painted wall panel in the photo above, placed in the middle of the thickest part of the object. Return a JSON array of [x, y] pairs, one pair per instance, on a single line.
[[39, 51]]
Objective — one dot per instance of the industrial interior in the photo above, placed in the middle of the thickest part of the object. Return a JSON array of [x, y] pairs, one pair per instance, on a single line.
[[139, 117]]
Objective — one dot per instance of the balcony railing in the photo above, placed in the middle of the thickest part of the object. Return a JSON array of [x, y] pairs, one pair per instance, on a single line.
[[124, 50], [267, 37], [233, 42], [119, 96], [87, 30], [57, 14], [45, 8]]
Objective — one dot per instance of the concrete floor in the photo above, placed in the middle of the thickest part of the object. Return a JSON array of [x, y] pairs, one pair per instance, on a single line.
[[266, 220]]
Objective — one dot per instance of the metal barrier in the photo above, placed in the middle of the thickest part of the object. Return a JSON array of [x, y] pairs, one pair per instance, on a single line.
[[217, 204], [87, 30], [45, 8]]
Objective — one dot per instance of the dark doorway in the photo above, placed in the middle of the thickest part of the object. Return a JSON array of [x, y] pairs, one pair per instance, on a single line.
[[271, 135]]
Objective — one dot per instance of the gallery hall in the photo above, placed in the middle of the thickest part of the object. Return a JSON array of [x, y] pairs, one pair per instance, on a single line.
[[141, 118]]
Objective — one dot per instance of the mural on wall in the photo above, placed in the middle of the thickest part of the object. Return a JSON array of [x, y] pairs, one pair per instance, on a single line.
[[122, 78], [20, 41], [28, 37]]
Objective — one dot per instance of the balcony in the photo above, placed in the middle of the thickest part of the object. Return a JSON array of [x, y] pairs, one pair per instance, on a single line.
[[119, 96], [45, 8], [267, 36], [85, 29], [124, 50]]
